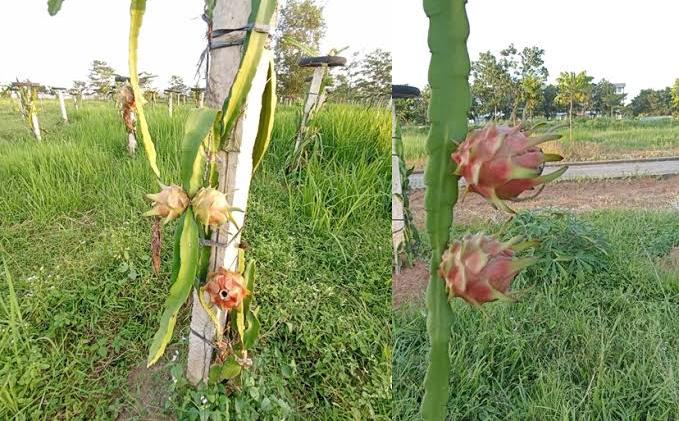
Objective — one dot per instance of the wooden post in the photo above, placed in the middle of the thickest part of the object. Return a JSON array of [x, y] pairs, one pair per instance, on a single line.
[[132, 137], [397, 214], [170, 104], [201, 99], [36, 125], [62, 105], [234, 167], [311, 102]]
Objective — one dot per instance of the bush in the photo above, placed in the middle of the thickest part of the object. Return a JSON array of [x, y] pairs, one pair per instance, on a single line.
[[568, 247]]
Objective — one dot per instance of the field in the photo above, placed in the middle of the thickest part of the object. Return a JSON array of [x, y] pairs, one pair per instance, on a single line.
[[593, 334], [593, 140], [79, 301]]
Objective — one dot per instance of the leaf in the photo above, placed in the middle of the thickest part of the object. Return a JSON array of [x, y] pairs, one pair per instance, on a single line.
[[252, 331], [184, 270], [249, 276], [196, 129], [225, 371], [253, 46], [266, 119], [53, 6], [137, 8]]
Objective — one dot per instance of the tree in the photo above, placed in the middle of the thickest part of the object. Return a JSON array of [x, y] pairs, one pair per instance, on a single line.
[[491, 85], [414, 110], [604, 99], [675, 96], [374, 75], [301, 27], [101, 78], [177, 84], [531, 93], [549, 106], [652, 102], [573, 89]]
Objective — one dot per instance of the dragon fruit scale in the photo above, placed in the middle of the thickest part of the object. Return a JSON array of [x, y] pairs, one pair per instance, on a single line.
[[170, 203], [501, 162], [480, 269]]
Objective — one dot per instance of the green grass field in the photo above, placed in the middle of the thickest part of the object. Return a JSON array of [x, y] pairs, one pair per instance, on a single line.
[[597, 139], [594, 334], [79, 302]]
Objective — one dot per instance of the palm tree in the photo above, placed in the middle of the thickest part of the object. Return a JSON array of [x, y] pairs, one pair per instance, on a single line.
[[574, 88]]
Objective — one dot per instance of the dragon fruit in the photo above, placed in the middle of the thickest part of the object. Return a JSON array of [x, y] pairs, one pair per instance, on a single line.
[[480, 268], [211, 207], [226, 289], [500, 163], [170, 203]]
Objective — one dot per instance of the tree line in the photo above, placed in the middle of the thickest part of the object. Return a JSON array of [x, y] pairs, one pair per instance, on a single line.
[[513, 85]]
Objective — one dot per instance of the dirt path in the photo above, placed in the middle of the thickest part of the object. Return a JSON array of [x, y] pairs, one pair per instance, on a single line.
[[639, 193]]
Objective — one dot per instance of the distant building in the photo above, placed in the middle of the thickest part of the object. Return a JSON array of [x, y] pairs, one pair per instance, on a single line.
[[619, 88]]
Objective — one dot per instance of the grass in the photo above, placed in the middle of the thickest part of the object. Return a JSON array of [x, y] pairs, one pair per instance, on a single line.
[[82, 305], [594, 139], [592, 343]]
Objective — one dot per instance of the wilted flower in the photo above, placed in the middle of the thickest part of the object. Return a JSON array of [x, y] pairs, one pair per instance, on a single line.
[[226, 289]]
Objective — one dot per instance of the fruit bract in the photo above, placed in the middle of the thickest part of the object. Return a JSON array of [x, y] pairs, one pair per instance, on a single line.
[[171, 202], [226, 289], [211, 208], [501, 162], [480, 268]]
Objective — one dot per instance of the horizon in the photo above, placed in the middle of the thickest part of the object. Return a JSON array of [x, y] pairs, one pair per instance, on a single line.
[[603, 53]]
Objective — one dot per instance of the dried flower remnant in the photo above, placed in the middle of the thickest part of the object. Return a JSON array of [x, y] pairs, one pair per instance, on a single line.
[[226, 289]]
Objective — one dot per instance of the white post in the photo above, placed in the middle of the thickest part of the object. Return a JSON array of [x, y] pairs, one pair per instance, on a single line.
[[311, 101], [62, 105], [234, 167], [132, 137], [397, 214], [170, 104], [201, 99], [36, 125]]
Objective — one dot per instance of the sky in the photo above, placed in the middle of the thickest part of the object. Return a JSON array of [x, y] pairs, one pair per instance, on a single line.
[[623, 41], [56, 50]]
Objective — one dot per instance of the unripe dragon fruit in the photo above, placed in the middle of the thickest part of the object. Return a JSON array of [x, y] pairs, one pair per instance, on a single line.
[[226, 289], [211, 207], [170, 203], [500, 163], [480, 268]]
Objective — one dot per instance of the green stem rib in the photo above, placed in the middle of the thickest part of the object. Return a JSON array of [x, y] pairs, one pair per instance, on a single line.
[[448, 111]]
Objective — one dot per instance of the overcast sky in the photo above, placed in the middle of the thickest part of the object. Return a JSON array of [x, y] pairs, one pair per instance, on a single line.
[[623, 41], [57, 50]]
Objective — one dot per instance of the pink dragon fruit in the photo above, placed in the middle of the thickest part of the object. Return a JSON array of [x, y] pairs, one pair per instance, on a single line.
[[480, 268], [500, 163], [170, 203]]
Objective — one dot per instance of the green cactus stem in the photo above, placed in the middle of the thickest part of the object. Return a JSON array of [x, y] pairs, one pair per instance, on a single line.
[[450, 103]]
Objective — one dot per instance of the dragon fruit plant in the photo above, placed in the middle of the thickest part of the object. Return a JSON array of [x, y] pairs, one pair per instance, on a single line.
[[197, 206], [499, 163]]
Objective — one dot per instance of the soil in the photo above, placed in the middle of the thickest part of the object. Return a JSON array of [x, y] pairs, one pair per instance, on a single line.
[[577, 196]]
